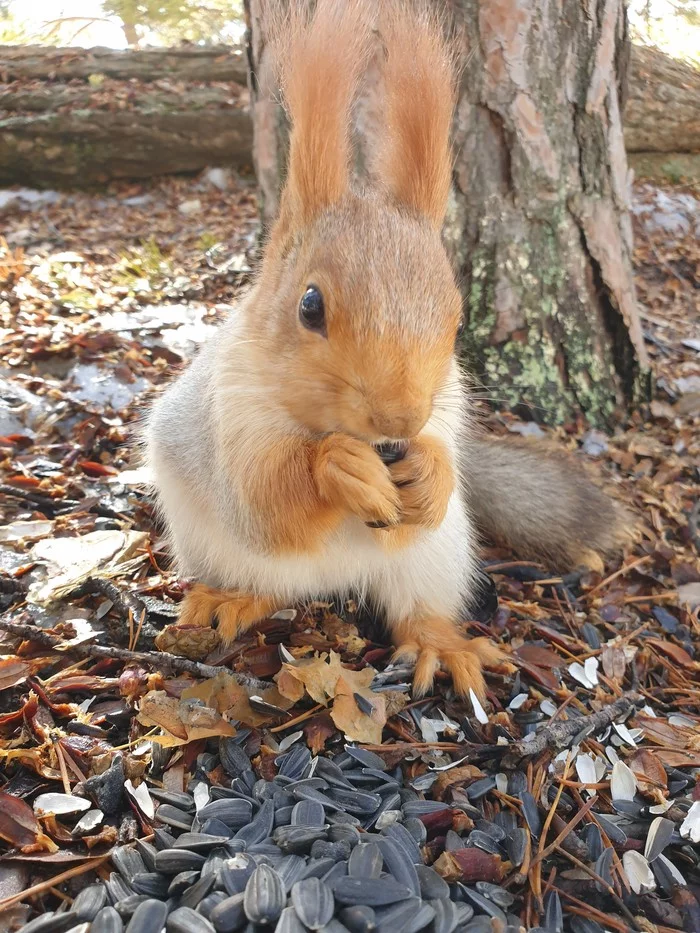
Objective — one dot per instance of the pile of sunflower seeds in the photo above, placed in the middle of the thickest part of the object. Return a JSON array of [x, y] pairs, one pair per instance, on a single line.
[[337, 845]]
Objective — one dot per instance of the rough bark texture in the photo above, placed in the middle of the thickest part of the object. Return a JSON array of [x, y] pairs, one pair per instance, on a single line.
[[662, 112], [539, 226], [75, 117], [189, 63]]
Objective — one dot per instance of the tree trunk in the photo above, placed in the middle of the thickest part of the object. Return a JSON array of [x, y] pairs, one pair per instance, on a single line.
[[539, 226], [124, 119]]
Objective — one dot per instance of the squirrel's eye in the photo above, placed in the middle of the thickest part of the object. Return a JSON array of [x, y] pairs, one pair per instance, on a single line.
[[460, 328], [312, 312]]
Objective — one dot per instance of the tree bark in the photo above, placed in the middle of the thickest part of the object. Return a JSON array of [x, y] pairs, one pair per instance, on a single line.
[[539, 226]]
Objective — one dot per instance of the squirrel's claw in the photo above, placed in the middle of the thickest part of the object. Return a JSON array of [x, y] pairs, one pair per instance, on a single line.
[[235, 612], [435, 643]]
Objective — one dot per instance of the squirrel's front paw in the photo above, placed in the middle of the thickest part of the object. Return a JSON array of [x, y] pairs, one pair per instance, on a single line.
[[437, 643], [425, 479], [350, 474]]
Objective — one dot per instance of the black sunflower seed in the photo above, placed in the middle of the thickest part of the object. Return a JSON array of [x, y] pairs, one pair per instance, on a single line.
[[89, 902], [365, 757], [260, 826], [603, 867], [182, 882], [162, 838], [265, 896], [233, 758], [372, 892], [228, 914], [186, 920], [107, 921], [308, 813], [484, 904], [446, 915], [409, 917], [50, 923], [358, 919], [147, 853], [479, 840], [297, 839], [398, 863], [199, 842], [480, 788], [432, 886], [531, 813], [198, 891], [495, 893], [172, 816], [401, 835], [128, 905], [151, 883], [210, 902], [233, 812], [148, 916], [289, 922], [313, 901], [173, 861], [178, 800], [127, 861], [365, 861], [294, 762]]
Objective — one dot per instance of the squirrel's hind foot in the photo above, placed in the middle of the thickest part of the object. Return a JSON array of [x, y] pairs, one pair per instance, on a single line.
[[234, 612], [436, 643]]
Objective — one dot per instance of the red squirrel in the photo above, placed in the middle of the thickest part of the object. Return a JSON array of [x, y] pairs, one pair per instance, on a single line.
[[266, 452]]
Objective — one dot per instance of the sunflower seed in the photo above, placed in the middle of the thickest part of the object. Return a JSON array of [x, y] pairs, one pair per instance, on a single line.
[[50, 923], [372, 892], [667, 875], [611, 829], [603, 867], [234, 813], [660, 833], [162, 839], [186, 920], [491, 829], [148, 854], [690, 827], [210, 902], [294, 762], [88, 824], [182, 882], [432, 886], [199, 890], [402, 837], [516, 846], [229, 914], [117, 887], [151, 883], [313, 901], [233, 758], [480, 788], [531, 813], [173, 861], [107, 921], [308, 813], [297, 839], [483, 842], [60, 804], [128, 905], [175, 799], [317, 868], [495, 893], [409, 917], [355, 801], [446, 915], [623, 784], [264, 896], [484, 904], [127, 861], [639, 874], [148, 917], [339, 870], [289, 922], [199, 842], [173, 816], [398, 864], [90, 901], [358, 919], [584, 925], [553, 914], [365, 861], [260, 826], [290, 869], [365, 757], [594, 841]]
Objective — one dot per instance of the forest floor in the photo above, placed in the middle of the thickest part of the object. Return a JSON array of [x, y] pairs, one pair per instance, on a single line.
[[102, 297]]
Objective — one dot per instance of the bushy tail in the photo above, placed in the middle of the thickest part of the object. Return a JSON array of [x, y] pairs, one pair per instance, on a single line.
[[540, 503]]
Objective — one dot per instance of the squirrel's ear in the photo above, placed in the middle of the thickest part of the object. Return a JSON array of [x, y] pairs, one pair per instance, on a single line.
[[414, 161], [321, 59]]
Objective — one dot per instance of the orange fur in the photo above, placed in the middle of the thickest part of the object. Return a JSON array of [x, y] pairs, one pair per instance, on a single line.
[[321, 59], [436, 643], [425, 479], [415, 161], [236, 612]]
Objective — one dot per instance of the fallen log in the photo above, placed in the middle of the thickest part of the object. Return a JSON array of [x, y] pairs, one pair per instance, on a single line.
[[77, 117]]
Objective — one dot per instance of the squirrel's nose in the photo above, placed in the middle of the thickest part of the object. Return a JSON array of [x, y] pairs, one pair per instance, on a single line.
[[400, 424]]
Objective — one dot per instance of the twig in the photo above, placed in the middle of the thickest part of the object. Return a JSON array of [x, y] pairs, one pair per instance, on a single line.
[[52, 882], [618, 573], [557, 734], [158, 659], [619, 903], [123, 600]]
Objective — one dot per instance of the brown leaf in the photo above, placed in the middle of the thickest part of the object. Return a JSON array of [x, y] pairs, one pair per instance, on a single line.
[[20, 827], [320, 677], [539, 656], [455, 776], [661, 732], [357, 725], [614, 662], [677, 654], [182, 720], [317, 731], [650, 773], [470, 865], [345, 635], [224, 694]]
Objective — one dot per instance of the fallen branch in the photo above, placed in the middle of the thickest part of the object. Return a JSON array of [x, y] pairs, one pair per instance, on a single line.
[[158, 659], [559, 734]]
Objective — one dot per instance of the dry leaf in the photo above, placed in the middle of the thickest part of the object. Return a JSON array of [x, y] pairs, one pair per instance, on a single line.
[[320, 676], [183, 720], [345, 635], [317, 731], [224, 694], [677, 654], [20, 827], [357, 725], [649, 772]]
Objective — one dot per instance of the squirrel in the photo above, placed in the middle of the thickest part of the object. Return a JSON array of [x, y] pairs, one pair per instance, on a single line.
[[267, 451]]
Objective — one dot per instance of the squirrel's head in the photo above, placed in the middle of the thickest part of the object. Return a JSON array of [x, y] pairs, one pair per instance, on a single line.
[[357, 300]]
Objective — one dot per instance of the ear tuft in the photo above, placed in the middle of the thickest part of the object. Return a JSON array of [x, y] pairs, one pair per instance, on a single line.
[[321, 58], [420, 80]]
